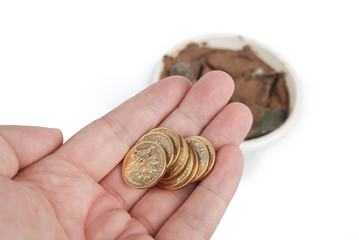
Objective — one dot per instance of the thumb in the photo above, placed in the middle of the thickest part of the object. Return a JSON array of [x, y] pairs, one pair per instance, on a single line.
[[21, 146]]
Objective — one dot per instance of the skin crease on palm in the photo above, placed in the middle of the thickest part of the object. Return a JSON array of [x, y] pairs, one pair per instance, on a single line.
[[75, 190]]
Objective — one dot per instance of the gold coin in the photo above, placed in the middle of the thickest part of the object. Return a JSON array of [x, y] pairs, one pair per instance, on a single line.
[[177, 181], [162, 140], [175, 140], [196, 175], [212, 154], [194, 172], [180, 163], [203, 155], [144, 165]]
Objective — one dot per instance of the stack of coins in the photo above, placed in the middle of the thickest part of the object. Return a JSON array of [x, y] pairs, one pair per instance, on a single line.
[[164, 158]]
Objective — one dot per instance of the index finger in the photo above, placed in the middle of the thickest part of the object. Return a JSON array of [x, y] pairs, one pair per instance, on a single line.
[[100, 146]]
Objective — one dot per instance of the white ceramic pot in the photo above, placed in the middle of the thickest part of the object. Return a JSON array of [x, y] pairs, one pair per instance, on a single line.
[[273, 59]]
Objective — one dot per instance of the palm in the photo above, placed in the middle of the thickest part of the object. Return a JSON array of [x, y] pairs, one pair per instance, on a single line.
[[77, 191]]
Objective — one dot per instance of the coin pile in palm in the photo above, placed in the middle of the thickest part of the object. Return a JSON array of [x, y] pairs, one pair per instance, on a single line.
[[164, 158]]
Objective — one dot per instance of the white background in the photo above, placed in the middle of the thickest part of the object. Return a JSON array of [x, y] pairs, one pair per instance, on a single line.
[[66, 63]]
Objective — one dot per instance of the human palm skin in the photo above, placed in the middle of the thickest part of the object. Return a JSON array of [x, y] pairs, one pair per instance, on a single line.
[[50, 190]]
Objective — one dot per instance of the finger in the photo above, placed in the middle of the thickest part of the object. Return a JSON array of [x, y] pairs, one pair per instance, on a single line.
[[210, 94], [21, 146], [100, 146], [230, 126], [234, 123], [199, 216]]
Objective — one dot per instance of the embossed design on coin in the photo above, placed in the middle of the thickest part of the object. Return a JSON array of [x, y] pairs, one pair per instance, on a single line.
[[162, 140], [202, 152], [212, 154], [174, 138], [144, 164]]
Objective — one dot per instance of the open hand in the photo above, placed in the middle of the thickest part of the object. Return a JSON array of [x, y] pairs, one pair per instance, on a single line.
[[76, 190]]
